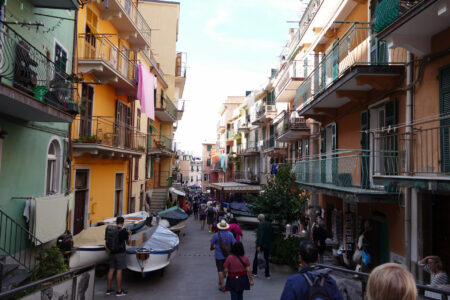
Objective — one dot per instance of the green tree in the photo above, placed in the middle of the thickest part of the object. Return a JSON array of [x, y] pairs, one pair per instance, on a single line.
[[281, 201]]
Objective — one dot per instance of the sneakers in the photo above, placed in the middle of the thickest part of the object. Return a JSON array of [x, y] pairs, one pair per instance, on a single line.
[[121, 293], [108, 292], [255, 275], [268, 277]]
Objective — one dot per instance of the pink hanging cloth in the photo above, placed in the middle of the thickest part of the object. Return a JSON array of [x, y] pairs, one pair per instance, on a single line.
[[146, 86]]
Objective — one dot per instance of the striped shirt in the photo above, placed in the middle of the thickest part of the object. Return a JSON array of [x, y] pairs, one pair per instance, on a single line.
[[437, 279]]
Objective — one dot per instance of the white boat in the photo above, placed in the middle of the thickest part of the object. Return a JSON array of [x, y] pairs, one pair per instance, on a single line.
[[133, 221], [154, 253], [89, 247]]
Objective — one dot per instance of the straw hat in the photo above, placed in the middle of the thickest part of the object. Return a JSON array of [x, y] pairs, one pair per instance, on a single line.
[[223, 225]]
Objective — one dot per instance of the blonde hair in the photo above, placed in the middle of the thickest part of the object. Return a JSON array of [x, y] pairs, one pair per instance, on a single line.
[[391, 282]]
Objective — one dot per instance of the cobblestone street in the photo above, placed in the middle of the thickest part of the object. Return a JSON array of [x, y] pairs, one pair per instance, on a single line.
[[192, 273]]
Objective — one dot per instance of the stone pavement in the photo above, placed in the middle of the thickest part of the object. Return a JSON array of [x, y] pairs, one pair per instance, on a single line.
[[192, 273]]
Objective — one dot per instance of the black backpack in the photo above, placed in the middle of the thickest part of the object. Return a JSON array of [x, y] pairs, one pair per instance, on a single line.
[[317, 289], [211, 212], [112, 239]]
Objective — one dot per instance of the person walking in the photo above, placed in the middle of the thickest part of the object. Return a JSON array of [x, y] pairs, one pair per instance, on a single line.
[[202, 215], [298, 287], [433, 264], [237, 267], [264, 239], [319, 237], [210, 216], [195, 209], [221, 242], [235, 229], [116, 237], [391, 281]]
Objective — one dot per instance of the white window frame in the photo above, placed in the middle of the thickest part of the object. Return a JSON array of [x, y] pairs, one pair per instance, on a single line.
[[56, 174]]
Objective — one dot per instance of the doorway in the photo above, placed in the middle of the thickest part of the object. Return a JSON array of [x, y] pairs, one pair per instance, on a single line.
[[81, 199], [87, 100], [118, 195]]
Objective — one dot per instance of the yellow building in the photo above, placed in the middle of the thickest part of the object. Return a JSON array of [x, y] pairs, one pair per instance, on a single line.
[[104, 140], [164, 15]]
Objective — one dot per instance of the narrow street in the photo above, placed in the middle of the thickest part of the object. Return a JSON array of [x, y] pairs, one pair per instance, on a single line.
[[192, 274]]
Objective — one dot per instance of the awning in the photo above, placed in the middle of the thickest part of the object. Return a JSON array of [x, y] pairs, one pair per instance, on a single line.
[[175, 191], [234, 186]]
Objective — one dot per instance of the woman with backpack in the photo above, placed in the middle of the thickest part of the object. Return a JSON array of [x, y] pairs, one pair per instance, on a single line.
[[235, 229], [210, 217], [237, 267], [202, 215]]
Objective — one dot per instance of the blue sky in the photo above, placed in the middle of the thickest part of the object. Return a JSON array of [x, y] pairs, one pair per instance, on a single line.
[[231, 46]]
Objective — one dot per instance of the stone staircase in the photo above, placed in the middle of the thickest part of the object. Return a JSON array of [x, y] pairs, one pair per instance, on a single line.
[[158, 199], [12, 274]]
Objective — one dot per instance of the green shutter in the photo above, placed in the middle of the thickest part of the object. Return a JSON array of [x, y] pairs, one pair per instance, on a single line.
[[391, 113], [335, 63], [151, 167], [444, 109], [365, 154]]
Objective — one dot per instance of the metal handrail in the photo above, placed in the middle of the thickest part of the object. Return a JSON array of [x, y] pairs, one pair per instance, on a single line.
[[136, 17], [157, 141], [16, 241], [45, 280], [166, 104], [362, 276], [100, 47], [24, 67]]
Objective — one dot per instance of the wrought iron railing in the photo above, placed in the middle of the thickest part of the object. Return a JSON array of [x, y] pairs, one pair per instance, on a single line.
[[157, 141], [16, 241], [100, 47], [288, 123], [166, 104], [388, 11], [247, 176], [271, 142], [352, 49], [108, 132], [429, 144], [25, 68], [345, 168]]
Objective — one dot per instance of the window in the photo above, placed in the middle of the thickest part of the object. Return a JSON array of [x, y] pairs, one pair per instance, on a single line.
[[208, 162], [192, 178], [206, 177], [138, 120], [228, 149], [192, 168], [53, 176], [60, 60], [197, 168], [149, 167], [118, 195], [208, 148]]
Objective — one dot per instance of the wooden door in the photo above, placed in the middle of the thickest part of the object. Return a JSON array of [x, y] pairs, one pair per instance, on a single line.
[[122, 125], [81, 194]]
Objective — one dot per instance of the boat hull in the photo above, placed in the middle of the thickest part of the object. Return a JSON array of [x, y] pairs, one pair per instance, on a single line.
[[157, 260], [88, 255]]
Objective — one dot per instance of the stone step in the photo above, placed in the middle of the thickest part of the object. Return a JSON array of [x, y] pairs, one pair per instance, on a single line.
[[8, 268], [15, 278]]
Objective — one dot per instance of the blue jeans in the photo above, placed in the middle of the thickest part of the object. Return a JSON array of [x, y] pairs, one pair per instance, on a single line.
[[237, 295]]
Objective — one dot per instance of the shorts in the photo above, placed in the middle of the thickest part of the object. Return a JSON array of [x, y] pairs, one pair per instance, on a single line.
[[219, 265], [202, 217], [118, 261], [210, 220]]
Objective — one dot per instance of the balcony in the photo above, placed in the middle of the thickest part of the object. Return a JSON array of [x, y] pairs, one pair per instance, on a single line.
[[345, 174], [273, 147], [230, 134], [61, 4], [160, 145], [249, 177], [251, 149], [349, 75], [429, 160], [217, 167], [126, 18], [180, 111], [103, 59], [264, 113], [104, 137], [221, 127], [289, 80], [243, 127], [407, 23], [180, 72], [165, 110], [291, 128], [33, 88]]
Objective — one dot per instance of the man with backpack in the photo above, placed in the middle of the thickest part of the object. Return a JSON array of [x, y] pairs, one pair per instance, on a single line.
[[311, 282], [116, 237], [210, 216], [222, 242]]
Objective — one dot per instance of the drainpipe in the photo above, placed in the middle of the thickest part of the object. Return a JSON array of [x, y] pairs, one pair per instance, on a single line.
[[409, 112], [130, 161]]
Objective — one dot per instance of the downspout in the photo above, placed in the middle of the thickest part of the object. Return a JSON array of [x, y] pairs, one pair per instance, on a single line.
[[408, 119], [130, 162]]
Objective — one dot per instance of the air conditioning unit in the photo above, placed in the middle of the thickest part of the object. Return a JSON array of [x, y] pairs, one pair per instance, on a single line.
[[271, 108]]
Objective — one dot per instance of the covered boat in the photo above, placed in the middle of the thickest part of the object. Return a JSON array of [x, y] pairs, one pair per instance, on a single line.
[[242, 212], [175, 216], [133, 221], [155, 252], [89, 247]]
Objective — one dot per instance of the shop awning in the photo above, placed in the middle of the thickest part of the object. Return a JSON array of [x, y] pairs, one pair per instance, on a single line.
[[178, 192], [234, 186]]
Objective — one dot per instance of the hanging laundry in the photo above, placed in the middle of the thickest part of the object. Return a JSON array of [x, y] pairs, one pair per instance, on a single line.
[[146, 86]]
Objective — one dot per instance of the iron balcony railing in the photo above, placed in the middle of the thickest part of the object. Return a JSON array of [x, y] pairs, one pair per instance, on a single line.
[[180, 66], [247, 176], [388, 11], [288, 123], [100, 47], [17, 242], [24, 67], [265, 109], [271, 142], [253, 146], [352, 49], [429, 144], [167, 105], [157, 141], [343, 168], [108, 132]]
